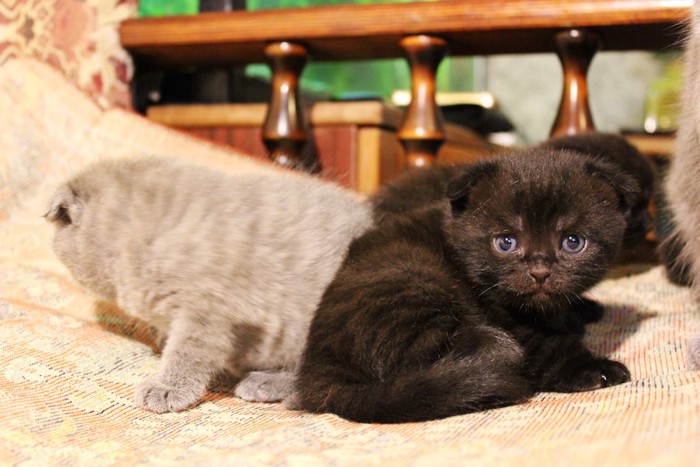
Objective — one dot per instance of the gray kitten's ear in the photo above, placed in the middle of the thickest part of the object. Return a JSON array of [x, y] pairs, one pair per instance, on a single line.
[[460, 185], [65, 208], [626, 187]]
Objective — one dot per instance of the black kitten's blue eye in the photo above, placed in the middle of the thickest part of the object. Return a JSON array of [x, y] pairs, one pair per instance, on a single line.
[[573, 243], [505, 243]]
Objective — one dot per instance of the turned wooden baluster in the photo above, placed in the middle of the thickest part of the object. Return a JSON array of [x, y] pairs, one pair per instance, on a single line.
[[422, 130], [575, 49], [284, 134]]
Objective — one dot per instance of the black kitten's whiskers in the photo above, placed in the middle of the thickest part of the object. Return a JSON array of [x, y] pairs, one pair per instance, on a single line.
[[497, 284]]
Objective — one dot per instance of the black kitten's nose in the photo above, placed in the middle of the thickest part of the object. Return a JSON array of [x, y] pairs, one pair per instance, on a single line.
[[540, 274]]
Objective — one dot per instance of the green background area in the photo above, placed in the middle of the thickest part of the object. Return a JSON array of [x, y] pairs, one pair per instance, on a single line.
[[368, 78]]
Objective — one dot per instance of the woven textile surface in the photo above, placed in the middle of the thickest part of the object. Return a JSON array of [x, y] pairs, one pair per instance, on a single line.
[[77, 37], [68, 364]]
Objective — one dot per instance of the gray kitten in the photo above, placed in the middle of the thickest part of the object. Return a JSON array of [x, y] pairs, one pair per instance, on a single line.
[[228, 268], [681, 250]]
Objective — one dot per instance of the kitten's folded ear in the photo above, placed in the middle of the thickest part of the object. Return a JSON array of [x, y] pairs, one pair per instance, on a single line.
[[459, 186], [626, 187], [65, 208]]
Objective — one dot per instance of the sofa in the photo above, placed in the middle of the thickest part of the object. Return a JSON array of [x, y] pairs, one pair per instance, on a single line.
[[68, 363]]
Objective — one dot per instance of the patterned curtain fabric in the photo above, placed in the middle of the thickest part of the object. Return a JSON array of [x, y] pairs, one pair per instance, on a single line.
[[78, 37]]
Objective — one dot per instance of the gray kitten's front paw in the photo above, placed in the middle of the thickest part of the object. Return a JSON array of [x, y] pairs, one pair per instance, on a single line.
[[265, 386], [157, 397]]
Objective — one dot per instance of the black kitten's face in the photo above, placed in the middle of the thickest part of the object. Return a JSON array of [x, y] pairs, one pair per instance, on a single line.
[[537, 237], [525, 263]]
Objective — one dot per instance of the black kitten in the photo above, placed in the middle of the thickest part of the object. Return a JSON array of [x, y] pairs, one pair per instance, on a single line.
[[469, 301], [606, 147]]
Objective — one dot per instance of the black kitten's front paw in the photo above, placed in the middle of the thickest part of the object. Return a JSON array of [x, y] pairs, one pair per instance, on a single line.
[[596, 374], [611, 373]]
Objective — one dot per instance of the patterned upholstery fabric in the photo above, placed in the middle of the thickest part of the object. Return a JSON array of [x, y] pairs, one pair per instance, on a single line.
[[77, 37], [68, 364]]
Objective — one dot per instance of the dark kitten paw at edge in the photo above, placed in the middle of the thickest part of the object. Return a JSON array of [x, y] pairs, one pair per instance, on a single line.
[[594, 374]]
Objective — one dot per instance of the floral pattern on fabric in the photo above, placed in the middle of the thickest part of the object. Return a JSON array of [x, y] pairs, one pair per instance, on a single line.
[[78, 37]]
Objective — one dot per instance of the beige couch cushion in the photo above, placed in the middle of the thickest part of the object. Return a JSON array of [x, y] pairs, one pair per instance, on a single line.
[[68, 364]]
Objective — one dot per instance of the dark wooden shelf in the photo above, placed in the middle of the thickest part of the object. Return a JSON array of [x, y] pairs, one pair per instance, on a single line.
[[471, 27]]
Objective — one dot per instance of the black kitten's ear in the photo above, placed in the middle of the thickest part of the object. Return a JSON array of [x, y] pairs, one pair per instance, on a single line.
[[626, 187], [65, 208], [460, 185]]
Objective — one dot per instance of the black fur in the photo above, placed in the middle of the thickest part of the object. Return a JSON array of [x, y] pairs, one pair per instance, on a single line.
[[426, 319]]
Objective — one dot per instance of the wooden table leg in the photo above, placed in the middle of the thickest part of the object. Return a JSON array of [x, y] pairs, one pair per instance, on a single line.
[[284, 134], [422, 130], [575, 49]]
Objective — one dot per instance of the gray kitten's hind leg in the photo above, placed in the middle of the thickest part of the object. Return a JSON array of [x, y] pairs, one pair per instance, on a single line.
[[678, 268], [194, 352], [266, 386]]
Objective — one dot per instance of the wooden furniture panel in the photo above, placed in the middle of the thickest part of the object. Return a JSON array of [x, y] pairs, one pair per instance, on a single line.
[[355, 141], [421, 32], [471, 27]]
